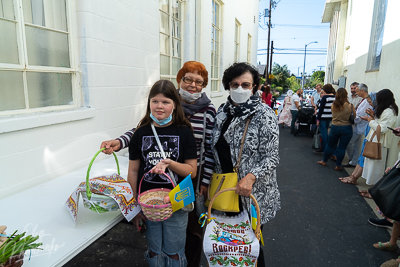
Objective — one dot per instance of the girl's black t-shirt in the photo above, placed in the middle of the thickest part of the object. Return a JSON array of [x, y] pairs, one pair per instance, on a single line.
[[178, 144]]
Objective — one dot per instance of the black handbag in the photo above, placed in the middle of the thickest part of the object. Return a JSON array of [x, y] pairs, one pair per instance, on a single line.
[[351, 118], [386, 193]]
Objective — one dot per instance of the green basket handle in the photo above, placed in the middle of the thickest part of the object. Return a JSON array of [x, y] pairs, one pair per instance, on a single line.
[[88, 192]]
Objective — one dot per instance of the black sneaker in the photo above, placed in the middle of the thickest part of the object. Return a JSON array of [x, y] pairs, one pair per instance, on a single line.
[[381, 223]]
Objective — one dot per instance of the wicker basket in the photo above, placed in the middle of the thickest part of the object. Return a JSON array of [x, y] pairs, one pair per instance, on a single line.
[[155, 212], [14, 261]]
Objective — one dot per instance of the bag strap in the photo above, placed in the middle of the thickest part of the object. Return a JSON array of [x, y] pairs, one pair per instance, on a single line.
[[235, 169], [162, 152], [201, 153], [377, 133]]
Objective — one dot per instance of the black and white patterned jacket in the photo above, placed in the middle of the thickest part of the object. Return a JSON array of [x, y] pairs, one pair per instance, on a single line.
[[260, 155]]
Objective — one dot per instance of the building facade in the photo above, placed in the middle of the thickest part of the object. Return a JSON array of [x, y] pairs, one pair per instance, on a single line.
[[364, 46], [76, 73]]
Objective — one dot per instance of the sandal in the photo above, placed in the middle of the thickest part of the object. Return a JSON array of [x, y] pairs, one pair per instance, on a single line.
[[364, 193], [349, 180], [338, 168], [321, 162], [384, 246], [333, 158]]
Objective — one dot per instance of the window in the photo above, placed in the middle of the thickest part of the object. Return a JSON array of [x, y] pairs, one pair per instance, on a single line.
[[36, 34], [249, 48], [170, 39], [237, 41], [215, 45], [377, 29]]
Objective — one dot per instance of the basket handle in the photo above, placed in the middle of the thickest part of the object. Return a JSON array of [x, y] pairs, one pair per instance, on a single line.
[[141, 180], [88, 192], [258, 227]]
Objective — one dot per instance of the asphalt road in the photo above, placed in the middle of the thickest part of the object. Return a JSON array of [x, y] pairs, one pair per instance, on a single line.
[[323, 222]]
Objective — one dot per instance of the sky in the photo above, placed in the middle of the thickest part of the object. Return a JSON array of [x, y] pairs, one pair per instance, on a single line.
[[295, 23]]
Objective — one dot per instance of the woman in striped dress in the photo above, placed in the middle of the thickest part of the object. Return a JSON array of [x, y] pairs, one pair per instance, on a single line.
[[324, 115], [191, 78]]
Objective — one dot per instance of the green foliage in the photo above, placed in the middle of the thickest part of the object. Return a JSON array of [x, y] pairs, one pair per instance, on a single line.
[[16, 244], [293, 83], [262, 81], [317, 77], [281, 73], [279, 89]]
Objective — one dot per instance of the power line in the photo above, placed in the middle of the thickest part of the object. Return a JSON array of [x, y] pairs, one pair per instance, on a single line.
[[279, 53]]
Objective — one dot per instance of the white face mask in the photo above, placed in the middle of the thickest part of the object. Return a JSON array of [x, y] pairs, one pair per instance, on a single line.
[[240, 95], [188, 97]]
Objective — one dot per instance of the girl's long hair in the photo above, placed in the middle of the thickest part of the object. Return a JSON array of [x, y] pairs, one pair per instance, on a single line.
[[340, 99], [167, 89], [385, 99]]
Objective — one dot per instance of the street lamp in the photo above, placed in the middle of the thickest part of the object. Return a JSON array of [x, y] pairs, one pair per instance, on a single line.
[[304, 66]]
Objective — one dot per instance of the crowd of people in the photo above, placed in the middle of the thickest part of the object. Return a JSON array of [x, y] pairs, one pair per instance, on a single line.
[[345, 124], [181, 118]]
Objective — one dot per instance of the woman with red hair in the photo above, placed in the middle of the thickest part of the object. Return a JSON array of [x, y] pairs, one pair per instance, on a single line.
[[191, 79]]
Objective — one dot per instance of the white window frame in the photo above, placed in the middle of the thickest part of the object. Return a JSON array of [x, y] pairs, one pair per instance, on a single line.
[[377, 32], [237, 41], [249, 48], [172, 76], [216, 46], [24, 66]]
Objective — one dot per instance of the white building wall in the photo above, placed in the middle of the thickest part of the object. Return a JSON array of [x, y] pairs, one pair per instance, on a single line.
[[119, 61], [356, 48]]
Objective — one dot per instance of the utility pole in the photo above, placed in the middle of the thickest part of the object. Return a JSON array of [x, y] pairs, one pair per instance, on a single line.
[[266, 76], [270, 62], [320, 67]]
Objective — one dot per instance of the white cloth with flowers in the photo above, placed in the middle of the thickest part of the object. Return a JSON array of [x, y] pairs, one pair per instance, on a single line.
[[118, 192], [230, 241]]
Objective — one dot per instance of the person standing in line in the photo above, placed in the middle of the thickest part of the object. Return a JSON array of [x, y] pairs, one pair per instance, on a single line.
[[341, 129], [354, 98], [191, 78], [385, 116], [286, 116], [324, 115], [353, 148], [294, 108], [260, 154], [266, 95], [165, 239], [316, 96], [357, 172]]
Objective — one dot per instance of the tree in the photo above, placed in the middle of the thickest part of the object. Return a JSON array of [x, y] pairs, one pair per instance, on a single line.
[[281, 73], [293, 83], [317, 77]]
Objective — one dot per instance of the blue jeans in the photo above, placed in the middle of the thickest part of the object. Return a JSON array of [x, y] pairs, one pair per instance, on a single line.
[[294, 117], [323, 129], [167, 238], [341, 134]]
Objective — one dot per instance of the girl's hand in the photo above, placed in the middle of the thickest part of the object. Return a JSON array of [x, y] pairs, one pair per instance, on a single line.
[[245, 185], [203, 191], [137, 219], [370, 112], [317, 123], [161, 166], [364, 118]]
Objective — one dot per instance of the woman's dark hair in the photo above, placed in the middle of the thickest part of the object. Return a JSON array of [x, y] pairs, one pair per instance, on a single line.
[[384, 100], [267, 89], [340, 99], [237, 69], [167, 89], [328, 88]]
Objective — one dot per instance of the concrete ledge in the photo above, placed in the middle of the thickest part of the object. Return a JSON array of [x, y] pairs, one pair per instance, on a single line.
[[41, 211]]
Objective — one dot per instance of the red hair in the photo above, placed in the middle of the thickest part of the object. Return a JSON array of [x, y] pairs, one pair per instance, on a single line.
[[194, 67]]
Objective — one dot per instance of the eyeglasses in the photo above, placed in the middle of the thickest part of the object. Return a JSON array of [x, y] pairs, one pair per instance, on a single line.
[[245, 85], [189, 80]]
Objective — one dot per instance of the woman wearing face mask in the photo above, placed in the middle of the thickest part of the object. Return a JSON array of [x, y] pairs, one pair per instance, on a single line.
[[260, 155], [191, 78]]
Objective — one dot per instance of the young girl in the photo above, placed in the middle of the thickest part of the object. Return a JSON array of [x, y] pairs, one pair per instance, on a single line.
[[166, 239]]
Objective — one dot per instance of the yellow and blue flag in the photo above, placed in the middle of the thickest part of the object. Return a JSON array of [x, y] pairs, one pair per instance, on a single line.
[[254, 222], [182, 195]]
